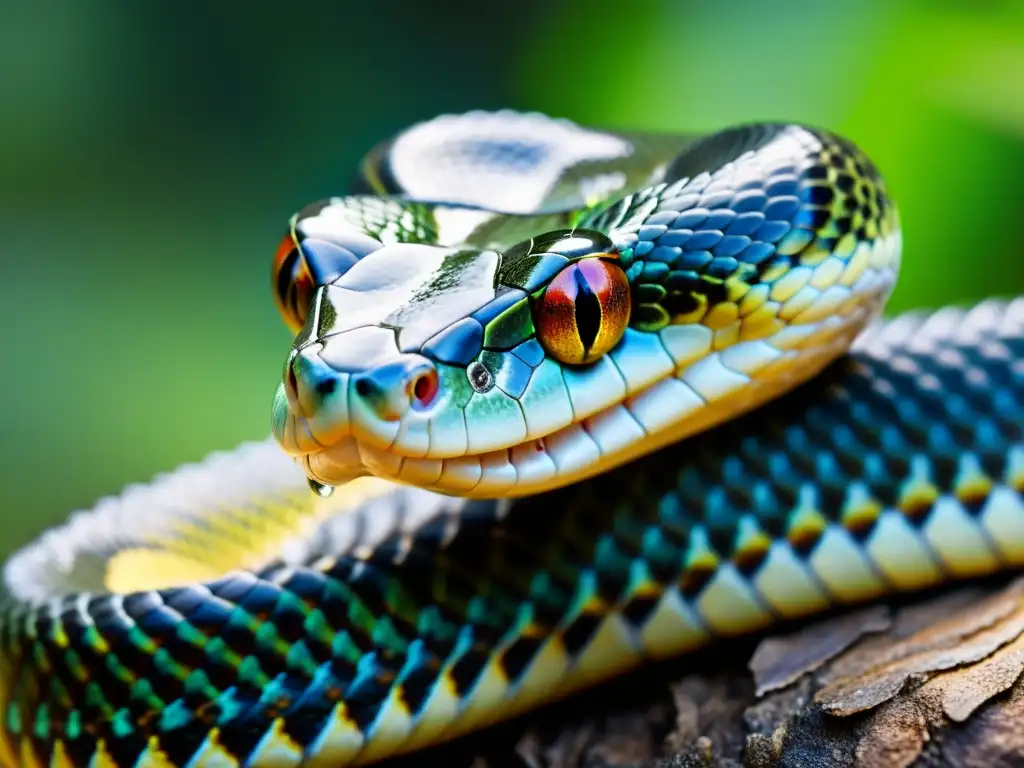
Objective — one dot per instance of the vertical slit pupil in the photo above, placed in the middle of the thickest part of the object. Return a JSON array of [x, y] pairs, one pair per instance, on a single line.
[[285, 276], [588, 312]]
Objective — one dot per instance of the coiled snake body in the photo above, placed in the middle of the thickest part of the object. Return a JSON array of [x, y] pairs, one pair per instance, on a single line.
[[502, 339]]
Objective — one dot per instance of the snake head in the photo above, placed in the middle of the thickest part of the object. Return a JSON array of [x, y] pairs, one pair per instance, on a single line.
[[421, 361], [507, 371]]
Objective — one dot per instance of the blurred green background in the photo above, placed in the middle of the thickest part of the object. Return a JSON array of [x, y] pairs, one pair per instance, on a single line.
[[151, 153]]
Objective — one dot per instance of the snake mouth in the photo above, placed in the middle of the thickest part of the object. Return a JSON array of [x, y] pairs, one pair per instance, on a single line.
[[651, 390]]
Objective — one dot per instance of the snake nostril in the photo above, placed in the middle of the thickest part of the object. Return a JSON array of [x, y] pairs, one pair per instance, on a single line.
[[327, 386], [392, 389], [363, 388]]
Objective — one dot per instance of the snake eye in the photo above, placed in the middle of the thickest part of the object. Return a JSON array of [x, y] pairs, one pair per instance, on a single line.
[[301, 265], [293, 284], [584, 311]]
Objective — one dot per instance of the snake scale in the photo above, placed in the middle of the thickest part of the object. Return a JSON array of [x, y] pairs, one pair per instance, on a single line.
[[513, 339]]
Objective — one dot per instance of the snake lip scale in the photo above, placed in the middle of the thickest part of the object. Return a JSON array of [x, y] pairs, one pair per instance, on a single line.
[[572, 399]]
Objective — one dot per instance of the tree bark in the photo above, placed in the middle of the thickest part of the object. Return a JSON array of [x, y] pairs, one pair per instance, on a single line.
[[931, 682]]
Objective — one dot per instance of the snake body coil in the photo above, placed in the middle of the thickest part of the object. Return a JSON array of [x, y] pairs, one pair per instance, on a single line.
[[517, 320]]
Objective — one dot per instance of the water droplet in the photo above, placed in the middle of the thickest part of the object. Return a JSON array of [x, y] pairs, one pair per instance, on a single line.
[[321, 490]]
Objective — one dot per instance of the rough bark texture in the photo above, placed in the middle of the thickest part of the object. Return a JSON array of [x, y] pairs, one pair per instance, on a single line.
[[934, 682]]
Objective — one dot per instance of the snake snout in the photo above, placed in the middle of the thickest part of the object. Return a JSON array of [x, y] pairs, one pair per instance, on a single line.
[[308, 382], [392, 389]]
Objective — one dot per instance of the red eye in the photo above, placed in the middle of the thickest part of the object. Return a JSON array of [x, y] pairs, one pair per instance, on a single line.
[[584, 311], [293, 285]]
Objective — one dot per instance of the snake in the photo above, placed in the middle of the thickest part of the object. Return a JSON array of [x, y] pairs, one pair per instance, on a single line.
[[561, 401]]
